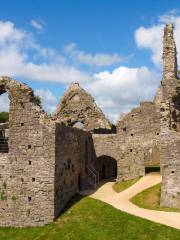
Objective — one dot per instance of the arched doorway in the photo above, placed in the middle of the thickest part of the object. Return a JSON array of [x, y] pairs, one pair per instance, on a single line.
[[107, 167]]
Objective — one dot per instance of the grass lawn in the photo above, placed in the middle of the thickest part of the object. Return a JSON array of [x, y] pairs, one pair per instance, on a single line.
[[121, 186], [150, 199], [90, 219]]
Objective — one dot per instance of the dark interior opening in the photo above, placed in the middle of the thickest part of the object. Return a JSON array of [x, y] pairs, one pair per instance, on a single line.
[[113, 130], [79, 183], [107, 167], [152, 169]]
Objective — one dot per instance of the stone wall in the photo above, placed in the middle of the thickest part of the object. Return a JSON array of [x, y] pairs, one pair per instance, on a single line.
[[4, 178], [28, 197], [32, 190], [170, 124], [129, 159], [170, 155], [136, 143], [141, 129], [74, 151], [134, 146], [107, 147], [78, 108]]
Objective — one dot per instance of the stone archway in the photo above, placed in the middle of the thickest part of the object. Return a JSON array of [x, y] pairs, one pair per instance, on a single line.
[[78, 124], [107, 167]]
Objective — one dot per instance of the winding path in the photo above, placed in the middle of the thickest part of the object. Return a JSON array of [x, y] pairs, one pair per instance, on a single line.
[[121, 201]]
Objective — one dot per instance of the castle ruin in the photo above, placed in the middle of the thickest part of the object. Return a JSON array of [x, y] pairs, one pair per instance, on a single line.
[[45, 160]]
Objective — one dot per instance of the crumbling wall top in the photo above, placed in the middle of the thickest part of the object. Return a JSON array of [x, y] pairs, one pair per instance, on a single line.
[[77, 106], [9, 85]]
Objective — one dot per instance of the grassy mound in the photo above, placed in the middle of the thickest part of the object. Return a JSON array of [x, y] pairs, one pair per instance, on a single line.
[[90, 219], [150, 199], [121, 186]]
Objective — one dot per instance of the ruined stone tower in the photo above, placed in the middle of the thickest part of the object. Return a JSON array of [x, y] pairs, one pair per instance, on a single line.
[[169, 56], [170, 123]]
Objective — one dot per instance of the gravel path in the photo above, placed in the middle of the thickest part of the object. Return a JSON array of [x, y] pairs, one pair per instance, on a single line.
[[121, 201]]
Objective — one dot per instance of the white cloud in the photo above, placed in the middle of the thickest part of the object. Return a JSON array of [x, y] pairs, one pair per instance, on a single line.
[[69, 47], [116, 92], [49, 101], [169, 16], [15, 45], [38, 25], [4, 103], [123, 88], [97, 59], [45, 64], [151, 37], [17, 67], [10, 34]]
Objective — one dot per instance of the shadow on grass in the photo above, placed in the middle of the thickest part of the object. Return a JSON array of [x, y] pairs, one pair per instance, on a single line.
[[101, 183], [78, 196], [75, 199]]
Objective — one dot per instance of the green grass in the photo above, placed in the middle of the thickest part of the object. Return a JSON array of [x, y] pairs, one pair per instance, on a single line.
[[150, 199], [121, 186], [90, 219], [4, 117]]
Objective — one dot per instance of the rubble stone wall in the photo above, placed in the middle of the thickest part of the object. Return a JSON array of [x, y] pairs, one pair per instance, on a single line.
[[170, 124], [27, 187], [141, 129], [74, 150], [170, 153], [130, 162], [32, 190], [78, 107], [136, 144]]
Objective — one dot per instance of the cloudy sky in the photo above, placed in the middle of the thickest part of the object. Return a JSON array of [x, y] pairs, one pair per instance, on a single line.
[[112, 48]]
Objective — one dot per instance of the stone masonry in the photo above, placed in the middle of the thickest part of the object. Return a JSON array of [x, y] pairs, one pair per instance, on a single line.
[[147, 136], [170, 124], [44, 160], [40, 173], [78, 107], [134, 144]]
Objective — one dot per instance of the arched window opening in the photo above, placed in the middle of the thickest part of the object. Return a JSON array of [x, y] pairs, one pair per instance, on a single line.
[[79, 125], [4, 123]]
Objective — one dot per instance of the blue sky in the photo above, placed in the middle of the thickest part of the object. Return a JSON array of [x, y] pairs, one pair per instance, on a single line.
[[111, 47]]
